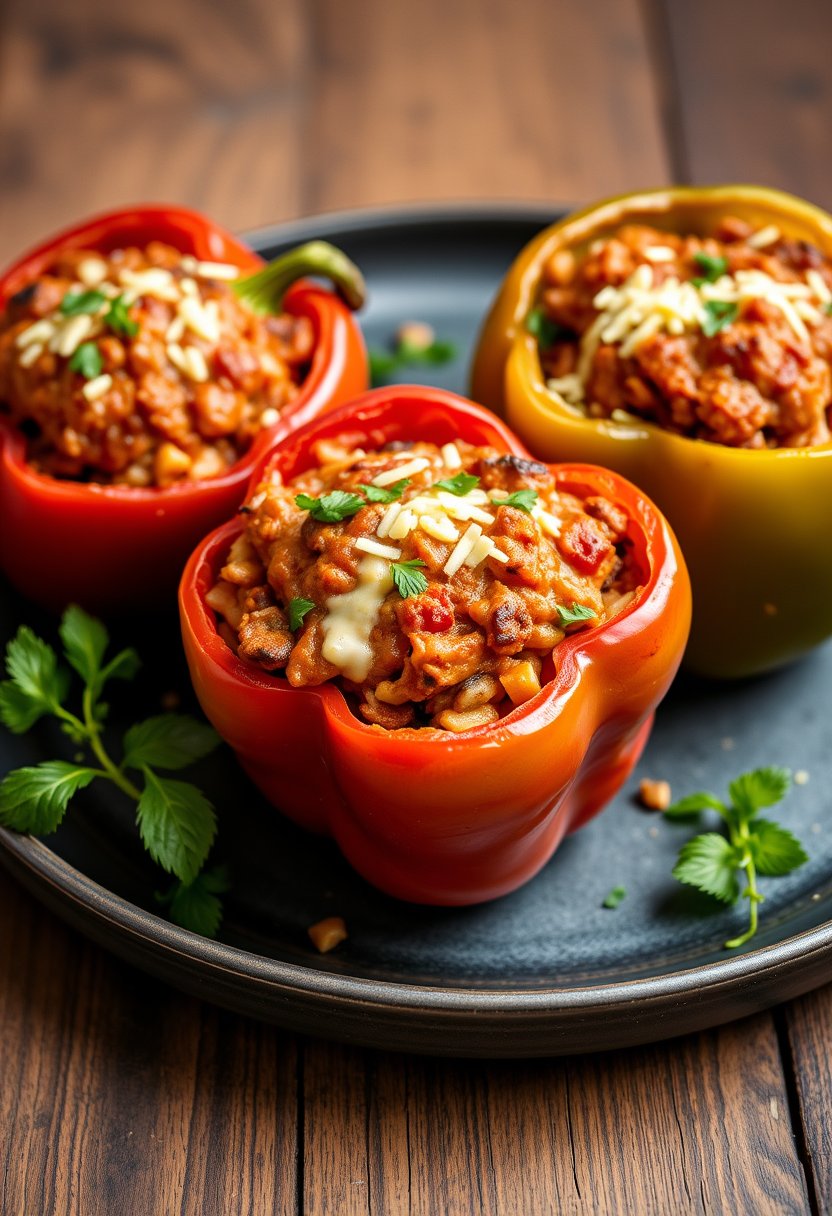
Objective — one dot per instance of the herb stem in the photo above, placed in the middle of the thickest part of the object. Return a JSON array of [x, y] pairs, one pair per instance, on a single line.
[[112, 770], [751, 893]]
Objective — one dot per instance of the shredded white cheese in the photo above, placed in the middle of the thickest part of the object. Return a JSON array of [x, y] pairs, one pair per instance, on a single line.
[[639, 308]]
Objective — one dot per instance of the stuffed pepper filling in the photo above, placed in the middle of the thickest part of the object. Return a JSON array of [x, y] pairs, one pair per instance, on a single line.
[[141, 367], [432, 583], [725, 337]]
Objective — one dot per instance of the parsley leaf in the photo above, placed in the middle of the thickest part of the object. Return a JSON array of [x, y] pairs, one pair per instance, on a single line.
[[298, 608], [168, 741], [386, 493], [523, 500], [85, 641], [545, 329], [763, 787], [712, 267], [331, 508], [408, 578], [119, 320], [177, 824], [76, 303], [460, 484], [774, 849], [683, 808], [37, 685], [718, 315], [711, 862], [195, 905], [578, 612], [616, 895], [87, 361], [35, 799]]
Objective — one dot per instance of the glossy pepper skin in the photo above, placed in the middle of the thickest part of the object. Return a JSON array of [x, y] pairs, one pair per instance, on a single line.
[[753, 525], [118, 547], [425, 815]]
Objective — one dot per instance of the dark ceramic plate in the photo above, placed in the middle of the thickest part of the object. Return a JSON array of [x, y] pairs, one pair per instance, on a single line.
[[544, 971]]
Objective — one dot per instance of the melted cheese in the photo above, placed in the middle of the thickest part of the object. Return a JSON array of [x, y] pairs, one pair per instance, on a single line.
[[350, 619]]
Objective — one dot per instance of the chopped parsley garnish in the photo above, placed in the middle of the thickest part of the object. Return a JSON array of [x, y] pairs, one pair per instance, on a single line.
[[711, 861], [545, 329], [87, 361], [718, 315], [408, 577], [523, 500], [615, 897], [77, 303], [331, 508], [712, 268], [460, 484], [119, 320], [828, 309], [298, 608], [386, 493], [578, 612]]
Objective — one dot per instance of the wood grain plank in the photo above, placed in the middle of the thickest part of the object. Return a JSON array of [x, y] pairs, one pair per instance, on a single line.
[[754, 91], [479, 99], [700, 1125], [103, 105], [335, 1142], [119, 1094], [808, 1024]]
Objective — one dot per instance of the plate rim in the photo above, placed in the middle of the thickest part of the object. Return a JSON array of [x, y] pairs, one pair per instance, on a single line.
[[44, 871]]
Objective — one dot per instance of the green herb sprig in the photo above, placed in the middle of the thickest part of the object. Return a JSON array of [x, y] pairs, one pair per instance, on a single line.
[[408, 577], [386, 493], [87, 361], [405, 354], [176, 821], [577, 612], [547, 331], [522, 500], [719, 314], [460, 484], [331, 508], [712, 267], [711, 861]]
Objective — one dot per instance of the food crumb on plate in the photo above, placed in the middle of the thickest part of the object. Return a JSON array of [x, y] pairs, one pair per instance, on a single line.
[[328, 933], [801, 777], [654, 795]]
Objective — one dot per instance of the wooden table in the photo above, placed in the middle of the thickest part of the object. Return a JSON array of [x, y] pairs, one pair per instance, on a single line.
[[120, 1095]]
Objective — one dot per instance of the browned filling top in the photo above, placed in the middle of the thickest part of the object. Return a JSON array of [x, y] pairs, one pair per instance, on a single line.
[[141, 367], [432, 583], [726, 337]]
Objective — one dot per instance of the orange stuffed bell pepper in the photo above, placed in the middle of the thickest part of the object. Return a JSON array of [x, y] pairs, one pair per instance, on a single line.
[[144, 370], [441, 652], [683, 337]]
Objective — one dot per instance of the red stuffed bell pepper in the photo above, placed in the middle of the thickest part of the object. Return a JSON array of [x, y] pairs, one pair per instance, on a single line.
[[118, 538], [444, 814]]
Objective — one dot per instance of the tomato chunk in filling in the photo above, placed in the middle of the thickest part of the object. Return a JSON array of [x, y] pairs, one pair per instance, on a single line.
[[725, 337], [432, 584]]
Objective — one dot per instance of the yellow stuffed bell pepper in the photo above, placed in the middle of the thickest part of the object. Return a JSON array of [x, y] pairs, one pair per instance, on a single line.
[[753, 523]]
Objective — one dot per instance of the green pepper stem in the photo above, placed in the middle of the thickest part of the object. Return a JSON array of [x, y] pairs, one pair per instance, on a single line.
[[264, 290]]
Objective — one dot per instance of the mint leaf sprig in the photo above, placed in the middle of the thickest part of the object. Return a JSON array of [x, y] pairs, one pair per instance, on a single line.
[[176, 822], [711, 861]]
